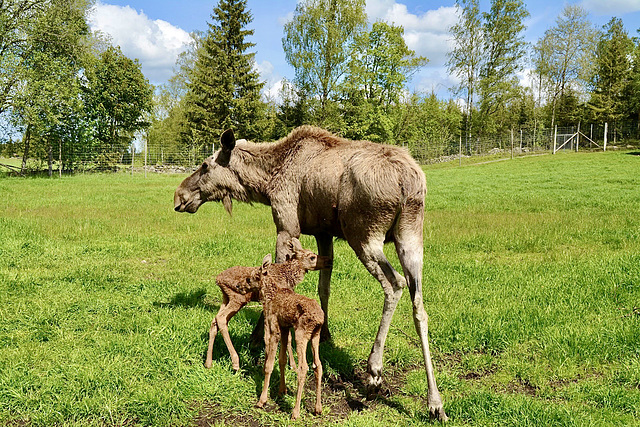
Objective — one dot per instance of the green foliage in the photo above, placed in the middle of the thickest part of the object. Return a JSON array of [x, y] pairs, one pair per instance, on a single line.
[[116, 96], [613, 66], [47, 100], [223, 87], [380, 64], [531, 283], [464, 59], [503, 53], [430, 127], [317, 43], [563, 56]]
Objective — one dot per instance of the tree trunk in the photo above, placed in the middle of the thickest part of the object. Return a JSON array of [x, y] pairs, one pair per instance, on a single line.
[[50, 162], [25, 153]]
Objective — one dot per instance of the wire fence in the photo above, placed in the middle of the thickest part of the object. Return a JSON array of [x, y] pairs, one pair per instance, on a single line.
[[157, 159]]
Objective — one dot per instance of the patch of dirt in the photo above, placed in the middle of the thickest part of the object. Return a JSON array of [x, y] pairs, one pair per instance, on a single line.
[[211, 414], [342, 395]]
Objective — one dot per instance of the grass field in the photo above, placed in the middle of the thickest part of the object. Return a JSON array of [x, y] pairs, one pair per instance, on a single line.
[[532, 284]]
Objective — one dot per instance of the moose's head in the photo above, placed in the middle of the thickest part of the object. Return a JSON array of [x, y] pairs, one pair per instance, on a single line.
[[214, 180]]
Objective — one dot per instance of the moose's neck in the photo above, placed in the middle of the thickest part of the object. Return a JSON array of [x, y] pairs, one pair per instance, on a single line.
[[256, 165]]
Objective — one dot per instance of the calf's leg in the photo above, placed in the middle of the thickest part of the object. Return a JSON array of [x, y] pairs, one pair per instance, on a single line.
[[303, 368], [220, 322], [317, 370], [271, 346]]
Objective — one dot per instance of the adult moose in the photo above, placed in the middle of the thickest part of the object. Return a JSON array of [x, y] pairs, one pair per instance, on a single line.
[[322, 185]]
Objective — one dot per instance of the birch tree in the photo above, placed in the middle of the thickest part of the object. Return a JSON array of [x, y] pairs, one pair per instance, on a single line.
[[465, 58], [563, 57]]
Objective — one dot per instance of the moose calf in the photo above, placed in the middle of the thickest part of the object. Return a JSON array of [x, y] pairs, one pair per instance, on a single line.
[[284, 309], [237, 292]]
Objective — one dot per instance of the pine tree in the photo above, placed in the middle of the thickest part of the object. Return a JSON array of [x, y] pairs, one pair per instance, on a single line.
[[224, 89], [613, 64]]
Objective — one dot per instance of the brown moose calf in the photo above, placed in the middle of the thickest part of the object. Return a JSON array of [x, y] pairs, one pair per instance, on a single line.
[[234, 283], [284, 309]]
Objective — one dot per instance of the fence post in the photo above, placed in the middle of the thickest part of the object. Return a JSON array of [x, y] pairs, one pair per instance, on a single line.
[[555, 138], [511, 143], [578, 137], [133, 152], [520, 141], [145, 156], [460, 152], [606, 127]]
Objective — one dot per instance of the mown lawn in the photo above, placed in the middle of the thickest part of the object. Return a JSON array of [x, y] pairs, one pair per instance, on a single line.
[[532, 284]]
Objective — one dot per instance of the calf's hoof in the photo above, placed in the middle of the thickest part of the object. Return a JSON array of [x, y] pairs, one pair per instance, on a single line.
[[260, 404]]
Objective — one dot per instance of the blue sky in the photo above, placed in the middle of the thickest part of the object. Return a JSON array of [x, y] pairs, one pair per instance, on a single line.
[[155, 31]]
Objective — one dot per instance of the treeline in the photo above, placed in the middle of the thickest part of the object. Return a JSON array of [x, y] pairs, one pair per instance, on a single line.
[[351, 77], [64, 89], [68, 92]]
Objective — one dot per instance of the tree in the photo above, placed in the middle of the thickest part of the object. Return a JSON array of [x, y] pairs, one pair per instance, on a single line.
[[632, 89], [613, 65], [465, 58], [503, 51], [17, 20], [563, 56], [380, 65], [224, 88], [317, 43], [116, 97], [45, 99]]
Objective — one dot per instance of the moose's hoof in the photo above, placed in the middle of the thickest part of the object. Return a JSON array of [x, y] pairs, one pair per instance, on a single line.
[[437, 413], [374, 383]]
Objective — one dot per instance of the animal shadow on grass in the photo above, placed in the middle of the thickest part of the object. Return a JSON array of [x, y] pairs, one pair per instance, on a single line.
[[193, 299], [633, 153]]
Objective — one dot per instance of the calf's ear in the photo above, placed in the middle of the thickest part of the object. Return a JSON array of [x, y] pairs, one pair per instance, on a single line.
[[296, 245], [266, 262]]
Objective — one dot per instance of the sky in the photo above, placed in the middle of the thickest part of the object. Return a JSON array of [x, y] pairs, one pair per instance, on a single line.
[[156, 31]]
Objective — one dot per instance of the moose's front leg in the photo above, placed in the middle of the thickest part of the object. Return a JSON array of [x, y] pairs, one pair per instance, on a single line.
[[325, 248]]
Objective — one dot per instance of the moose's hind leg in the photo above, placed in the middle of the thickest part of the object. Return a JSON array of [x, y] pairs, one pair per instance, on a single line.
[[373, 258]]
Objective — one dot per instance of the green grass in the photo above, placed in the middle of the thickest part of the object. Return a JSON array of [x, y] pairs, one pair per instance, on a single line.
[[531, 281]]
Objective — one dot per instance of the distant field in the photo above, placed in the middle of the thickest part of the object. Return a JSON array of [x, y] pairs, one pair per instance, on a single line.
[[532, 284]]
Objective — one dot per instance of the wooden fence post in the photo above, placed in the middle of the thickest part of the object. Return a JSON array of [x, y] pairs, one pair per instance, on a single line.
[[511, 143]]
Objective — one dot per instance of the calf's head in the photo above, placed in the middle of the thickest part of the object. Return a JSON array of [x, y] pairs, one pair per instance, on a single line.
[[307, 259], [212, 181]]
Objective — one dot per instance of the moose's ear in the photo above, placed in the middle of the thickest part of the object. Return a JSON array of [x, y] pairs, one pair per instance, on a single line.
[[228, 140]]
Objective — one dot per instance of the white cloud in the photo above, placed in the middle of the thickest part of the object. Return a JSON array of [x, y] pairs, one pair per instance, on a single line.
[[612, 7], [427, 34], [272, 80], [156, 43]]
